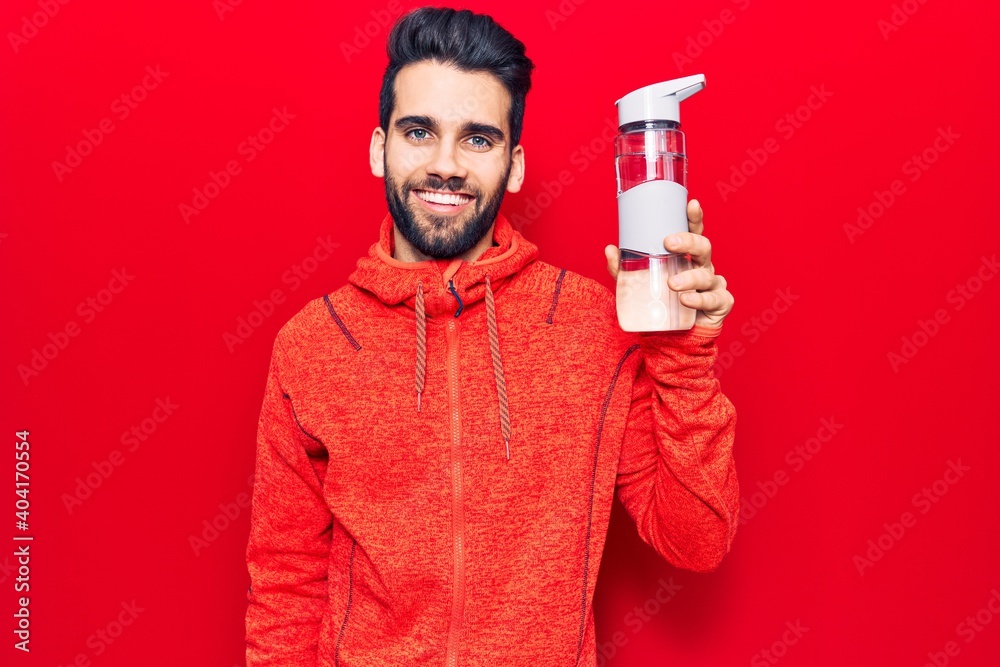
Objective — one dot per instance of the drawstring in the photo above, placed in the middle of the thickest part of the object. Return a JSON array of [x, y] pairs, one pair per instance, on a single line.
[[491, 325], [454, 293], [421, 343]]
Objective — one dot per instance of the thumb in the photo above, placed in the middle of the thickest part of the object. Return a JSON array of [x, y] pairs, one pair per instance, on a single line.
[[611, 253]]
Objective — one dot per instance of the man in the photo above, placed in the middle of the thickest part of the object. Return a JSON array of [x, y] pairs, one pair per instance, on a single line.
[[441, 439]]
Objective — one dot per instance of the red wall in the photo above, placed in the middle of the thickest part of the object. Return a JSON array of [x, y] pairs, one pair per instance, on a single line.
[[875, 381]]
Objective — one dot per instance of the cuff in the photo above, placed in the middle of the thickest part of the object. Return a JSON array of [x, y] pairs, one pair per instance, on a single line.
[[686, 352], [695, 331]]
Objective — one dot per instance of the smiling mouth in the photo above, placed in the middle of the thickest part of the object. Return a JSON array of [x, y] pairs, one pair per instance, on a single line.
[[443, 202]]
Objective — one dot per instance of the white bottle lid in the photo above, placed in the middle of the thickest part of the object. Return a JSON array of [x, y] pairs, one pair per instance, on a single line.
[[658, 101]]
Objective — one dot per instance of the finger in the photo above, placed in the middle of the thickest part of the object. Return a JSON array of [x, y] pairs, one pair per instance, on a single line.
[[716, 302], [694, 279], [696, 217], [611, 254], [697, 245]]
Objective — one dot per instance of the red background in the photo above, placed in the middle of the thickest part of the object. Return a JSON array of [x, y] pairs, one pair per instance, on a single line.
[[827, 356]]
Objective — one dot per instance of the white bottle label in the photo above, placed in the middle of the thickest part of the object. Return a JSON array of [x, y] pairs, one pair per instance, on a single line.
[[648, 213]]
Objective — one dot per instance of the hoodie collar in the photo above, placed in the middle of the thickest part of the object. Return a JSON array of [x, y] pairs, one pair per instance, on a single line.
[[395, 282], [443, 288]]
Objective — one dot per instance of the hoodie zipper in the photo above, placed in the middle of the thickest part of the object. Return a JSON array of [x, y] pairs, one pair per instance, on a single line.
[[458, 516]]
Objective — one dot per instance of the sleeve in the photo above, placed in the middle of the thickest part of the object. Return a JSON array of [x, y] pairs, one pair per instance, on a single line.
[[676, 475], [290, 531]]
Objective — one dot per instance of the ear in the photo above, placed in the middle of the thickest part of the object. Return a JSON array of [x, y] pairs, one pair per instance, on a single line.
[[516, 177], [376, 153]]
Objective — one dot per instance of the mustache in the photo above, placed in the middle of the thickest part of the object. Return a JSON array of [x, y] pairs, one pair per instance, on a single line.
[[451, 185]]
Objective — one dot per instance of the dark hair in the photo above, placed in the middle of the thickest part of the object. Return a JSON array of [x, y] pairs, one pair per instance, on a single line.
[[470, 42]]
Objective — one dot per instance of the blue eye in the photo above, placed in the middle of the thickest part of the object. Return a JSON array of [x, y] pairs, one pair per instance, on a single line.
[[485, 142], [417, 129]]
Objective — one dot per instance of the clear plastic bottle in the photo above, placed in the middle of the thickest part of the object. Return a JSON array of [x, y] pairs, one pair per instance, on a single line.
[[651, 169]]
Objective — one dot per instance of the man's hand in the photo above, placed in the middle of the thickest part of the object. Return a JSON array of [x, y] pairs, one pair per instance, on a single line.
[[711, 299]]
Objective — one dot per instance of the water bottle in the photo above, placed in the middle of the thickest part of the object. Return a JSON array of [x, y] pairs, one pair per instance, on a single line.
[[651, 167]]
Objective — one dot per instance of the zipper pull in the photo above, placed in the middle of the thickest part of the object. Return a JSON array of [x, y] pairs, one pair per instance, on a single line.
[[454, 292]]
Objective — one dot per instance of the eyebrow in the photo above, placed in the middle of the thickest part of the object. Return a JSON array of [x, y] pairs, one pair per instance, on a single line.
[[491, 131]]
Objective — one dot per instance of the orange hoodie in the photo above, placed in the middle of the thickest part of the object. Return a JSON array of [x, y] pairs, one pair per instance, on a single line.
[[438, 451]]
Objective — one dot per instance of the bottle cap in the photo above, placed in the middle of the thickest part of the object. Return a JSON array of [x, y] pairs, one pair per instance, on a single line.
[[658, 101]]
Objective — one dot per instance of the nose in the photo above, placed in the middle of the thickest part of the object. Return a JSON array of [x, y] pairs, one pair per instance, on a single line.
[[446, 161]]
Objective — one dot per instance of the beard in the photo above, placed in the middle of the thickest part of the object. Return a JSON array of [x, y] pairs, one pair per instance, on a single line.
[[443, 236]]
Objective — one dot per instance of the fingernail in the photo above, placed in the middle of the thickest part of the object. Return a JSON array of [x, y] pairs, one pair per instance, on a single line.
[[673, 240], [678, 282]]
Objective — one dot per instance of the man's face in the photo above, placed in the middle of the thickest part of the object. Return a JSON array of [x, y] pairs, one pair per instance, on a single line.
[[446, 157]]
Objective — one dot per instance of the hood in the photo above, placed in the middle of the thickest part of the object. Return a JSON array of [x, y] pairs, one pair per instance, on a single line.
[[444, 288], [395, 282]]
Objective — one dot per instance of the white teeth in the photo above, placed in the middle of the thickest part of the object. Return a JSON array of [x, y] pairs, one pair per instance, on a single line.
[[442, 198]]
